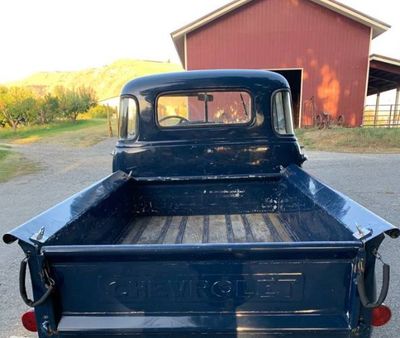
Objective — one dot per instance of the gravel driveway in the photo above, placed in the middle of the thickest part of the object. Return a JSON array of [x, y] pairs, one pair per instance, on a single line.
[[372, 180]]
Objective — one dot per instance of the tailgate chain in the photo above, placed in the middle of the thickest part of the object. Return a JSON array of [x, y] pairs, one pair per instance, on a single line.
[[49, 284], [361, 283]]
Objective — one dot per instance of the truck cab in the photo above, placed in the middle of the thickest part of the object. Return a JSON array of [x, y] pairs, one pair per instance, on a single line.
[[206, 123]]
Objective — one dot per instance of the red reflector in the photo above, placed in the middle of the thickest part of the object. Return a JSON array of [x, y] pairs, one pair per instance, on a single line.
[[381, 315], [29, 321]]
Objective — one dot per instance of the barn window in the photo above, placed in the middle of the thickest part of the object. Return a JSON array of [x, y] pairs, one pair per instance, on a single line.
[[128, 117], [204, 108], [282, 113]]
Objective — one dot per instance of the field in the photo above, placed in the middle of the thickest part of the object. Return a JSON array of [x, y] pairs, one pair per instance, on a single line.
[[74, 135], [355, 140], [81, 133]]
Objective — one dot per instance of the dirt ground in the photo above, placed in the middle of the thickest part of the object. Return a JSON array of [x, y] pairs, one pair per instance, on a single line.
[[372, 180]]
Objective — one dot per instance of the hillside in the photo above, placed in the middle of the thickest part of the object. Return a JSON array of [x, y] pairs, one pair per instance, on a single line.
[[107, 81]]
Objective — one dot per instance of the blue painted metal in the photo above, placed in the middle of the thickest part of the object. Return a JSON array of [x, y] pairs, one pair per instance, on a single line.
[[362, 223], [114, 200], [67, 212], [304, 288], [215, 150], [205, 289]]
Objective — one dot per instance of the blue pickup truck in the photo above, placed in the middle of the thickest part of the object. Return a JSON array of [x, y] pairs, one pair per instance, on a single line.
[[207, 227]]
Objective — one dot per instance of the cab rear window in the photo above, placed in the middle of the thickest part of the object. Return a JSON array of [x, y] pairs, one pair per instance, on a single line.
[[204, 108]]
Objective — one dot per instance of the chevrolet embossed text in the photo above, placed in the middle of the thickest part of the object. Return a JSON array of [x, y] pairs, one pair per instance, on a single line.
[[264, 287]]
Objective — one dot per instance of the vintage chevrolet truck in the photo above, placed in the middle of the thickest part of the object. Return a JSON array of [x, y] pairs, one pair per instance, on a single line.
[[208, 226]]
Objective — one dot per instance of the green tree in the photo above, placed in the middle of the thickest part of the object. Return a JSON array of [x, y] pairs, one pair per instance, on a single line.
[[73, 102], [17, 106], [3, 92], [48, 108]]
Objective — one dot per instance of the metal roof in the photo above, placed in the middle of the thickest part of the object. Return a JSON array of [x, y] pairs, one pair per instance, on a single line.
[[178, 36], [384, 74], [385, 59]]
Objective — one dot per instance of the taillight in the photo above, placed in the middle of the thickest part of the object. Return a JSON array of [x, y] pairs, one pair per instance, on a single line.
[[29, 321], [381, 315]]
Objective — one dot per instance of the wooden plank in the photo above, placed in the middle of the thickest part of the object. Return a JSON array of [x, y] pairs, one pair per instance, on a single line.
[[152, 231], [280, 228], [239, 232], [173, 230], [274, 233], [217, 230], [164, 229], [206, 229], [247, 229], [181, 231], [235, 228], [194, 230], [138, 225], [260, 230], [229, 229]]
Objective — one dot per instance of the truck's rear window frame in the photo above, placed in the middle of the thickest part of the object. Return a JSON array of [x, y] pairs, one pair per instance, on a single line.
[[205, 125]]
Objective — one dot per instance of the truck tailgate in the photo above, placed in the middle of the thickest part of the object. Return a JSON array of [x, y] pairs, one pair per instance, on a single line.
[[228, 289]]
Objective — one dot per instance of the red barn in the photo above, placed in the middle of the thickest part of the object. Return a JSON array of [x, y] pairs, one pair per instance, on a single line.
[[321, 47]]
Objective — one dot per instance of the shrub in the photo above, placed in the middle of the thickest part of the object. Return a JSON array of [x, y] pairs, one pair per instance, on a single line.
[[100, 112]]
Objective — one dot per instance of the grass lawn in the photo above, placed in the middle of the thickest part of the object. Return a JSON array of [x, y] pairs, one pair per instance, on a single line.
[[82, 133], [369, 140], [13, 164]]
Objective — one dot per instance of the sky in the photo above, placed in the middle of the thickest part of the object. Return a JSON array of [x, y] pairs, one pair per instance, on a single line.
[[50, 35]]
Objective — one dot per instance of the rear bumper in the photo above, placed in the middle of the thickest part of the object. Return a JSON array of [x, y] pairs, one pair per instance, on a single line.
[[248, 325]]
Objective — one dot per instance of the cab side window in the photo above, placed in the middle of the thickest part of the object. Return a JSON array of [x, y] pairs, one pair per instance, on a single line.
[[282, 113], [128, 118]]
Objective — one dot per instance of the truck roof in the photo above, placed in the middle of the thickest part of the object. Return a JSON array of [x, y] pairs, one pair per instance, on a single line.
[[242, 78]]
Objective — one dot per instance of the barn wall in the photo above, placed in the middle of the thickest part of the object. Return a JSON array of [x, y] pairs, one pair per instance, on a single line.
[[272, 34]]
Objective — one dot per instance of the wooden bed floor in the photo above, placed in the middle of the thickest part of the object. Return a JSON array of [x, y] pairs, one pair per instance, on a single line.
[[238, 228]]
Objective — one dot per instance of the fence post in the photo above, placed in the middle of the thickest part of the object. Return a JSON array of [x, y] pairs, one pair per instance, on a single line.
[[390, 116], [378, 95], [110, 131], [396, 115]]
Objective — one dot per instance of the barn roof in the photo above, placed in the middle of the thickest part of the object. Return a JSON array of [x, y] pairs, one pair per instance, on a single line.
[[384, 74], [178, 36]]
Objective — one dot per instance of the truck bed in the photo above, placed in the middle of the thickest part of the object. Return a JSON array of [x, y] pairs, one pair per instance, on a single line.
[[235, 228], [122, 210], [271, 256]]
